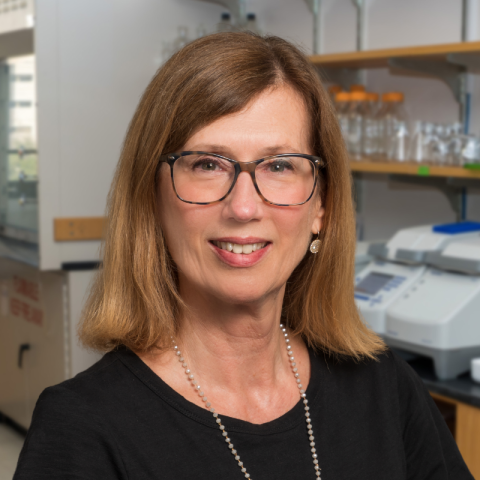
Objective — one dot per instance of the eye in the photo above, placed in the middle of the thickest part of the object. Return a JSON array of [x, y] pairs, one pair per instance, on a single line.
[[279, 166], [208, 166]]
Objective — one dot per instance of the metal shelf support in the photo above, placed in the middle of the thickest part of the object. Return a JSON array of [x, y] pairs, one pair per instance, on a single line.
[[341, 76], [346, 76], [315, 6], [452, 188], [360, 6], [453, 72]]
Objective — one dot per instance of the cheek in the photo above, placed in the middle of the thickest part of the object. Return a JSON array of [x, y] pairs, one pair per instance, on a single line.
[[294, 229], [182, 225]]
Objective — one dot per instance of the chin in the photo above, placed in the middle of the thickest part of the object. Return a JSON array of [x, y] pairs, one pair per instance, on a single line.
[[238, 295]]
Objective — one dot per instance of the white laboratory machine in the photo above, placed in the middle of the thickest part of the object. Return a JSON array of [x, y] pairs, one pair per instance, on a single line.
[[362, 257], [439, 315], [400, 263]]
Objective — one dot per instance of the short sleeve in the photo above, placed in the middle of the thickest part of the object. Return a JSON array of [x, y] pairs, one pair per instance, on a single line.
[[68, 441], [430, 450]]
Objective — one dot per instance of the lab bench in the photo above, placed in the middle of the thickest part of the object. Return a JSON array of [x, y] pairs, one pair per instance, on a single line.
[[459, 403]]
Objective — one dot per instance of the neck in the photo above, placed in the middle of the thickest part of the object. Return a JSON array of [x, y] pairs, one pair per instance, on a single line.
[[238, 354], [233, 346]]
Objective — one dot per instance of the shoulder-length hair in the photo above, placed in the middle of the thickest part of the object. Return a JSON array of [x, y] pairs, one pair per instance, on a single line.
[[134, 300]]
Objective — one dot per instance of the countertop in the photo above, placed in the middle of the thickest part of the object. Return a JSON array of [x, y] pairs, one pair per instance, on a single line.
[[463, 388]]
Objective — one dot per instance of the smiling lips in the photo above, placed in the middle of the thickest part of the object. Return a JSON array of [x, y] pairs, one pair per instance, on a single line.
[[241, 252], [245, 249]]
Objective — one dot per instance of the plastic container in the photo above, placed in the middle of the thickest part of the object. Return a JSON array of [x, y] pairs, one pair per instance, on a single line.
[[476, 369], [225, 24], [342, 103], [370, 127], [356, 114]]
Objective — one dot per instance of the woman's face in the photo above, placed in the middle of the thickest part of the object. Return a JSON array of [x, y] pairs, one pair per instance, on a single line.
[[275, 122]]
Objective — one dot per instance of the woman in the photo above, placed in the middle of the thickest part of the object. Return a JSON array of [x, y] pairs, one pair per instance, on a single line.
[[225, 301]]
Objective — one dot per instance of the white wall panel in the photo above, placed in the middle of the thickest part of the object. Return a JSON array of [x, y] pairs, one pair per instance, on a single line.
[[339, 26], [394, 23], [95, 58], [390, 206]]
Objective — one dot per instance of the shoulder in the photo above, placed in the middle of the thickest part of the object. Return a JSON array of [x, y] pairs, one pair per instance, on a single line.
[[86, 391], [70, 436], [387, 370]]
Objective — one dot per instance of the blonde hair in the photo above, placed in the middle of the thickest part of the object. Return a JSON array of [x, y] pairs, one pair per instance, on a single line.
[[134, 300]]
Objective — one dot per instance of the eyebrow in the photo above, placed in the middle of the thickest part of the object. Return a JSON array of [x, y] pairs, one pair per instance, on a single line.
[[225, 150]]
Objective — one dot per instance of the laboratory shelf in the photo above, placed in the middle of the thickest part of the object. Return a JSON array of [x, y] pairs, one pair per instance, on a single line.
[[380, 58], [411, 168]]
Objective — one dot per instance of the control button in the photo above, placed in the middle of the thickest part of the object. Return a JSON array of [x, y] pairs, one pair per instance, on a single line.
[[361, 297]]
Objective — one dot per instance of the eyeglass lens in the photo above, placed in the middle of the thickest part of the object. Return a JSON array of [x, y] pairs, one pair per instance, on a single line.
[[203, 178]]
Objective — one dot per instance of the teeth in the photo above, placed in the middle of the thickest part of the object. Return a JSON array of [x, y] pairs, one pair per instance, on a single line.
[[236, 248], [247, 249]]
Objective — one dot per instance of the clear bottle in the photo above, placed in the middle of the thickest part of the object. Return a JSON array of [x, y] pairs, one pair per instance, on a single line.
[[373, 102], [225, 24], [356, 115], [380, 153], [370, 133], [417, 146], [202, 31], [182, 39], [252, 25], [395, 128], [342, 103]]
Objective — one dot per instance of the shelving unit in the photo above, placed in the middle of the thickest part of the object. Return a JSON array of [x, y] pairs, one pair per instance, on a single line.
[[381, 58], [448, 62], [414, 169]]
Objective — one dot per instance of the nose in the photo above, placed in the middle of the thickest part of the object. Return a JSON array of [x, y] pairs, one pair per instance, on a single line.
[[243, 203]]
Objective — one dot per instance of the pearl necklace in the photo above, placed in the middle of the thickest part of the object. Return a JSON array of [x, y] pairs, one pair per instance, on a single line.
[[208, 405]]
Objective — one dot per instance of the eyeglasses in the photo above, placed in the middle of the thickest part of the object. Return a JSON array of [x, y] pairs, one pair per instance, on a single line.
[[203, 178]]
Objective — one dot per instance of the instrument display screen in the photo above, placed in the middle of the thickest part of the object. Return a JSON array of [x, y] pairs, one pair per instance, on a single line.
[[373, 283]]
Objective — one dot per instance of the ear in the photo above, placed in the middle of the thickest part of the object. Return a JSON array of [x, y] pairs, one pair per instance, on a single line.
[[318, 219]]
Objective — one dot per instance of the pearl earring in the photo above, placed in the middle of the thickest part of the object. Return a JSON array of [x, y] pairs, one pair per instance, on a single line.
[[315, 245]]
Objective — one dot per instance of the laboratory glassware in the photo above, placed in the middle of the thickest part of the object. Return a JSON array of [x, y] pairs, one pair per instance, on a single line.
[[225, 24], [356, 114], [342, 103], [369, 131]]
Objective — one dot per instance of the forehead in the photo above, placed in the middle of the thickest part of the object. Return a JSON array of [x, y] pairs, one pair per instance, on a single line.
[[275, 118]]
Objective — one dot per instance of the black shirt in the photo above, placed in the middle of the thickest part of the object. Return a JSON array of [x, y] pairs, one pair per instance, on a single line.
[[119, 420]]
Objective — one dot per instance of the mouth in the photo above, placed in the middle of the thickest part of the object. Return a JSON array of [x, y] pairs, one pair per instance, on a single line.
[[244, 249]]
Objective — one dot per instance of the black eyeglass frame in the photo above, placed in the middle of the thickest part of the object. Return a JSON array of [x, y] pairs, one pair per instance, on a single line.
[[249, 167]]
